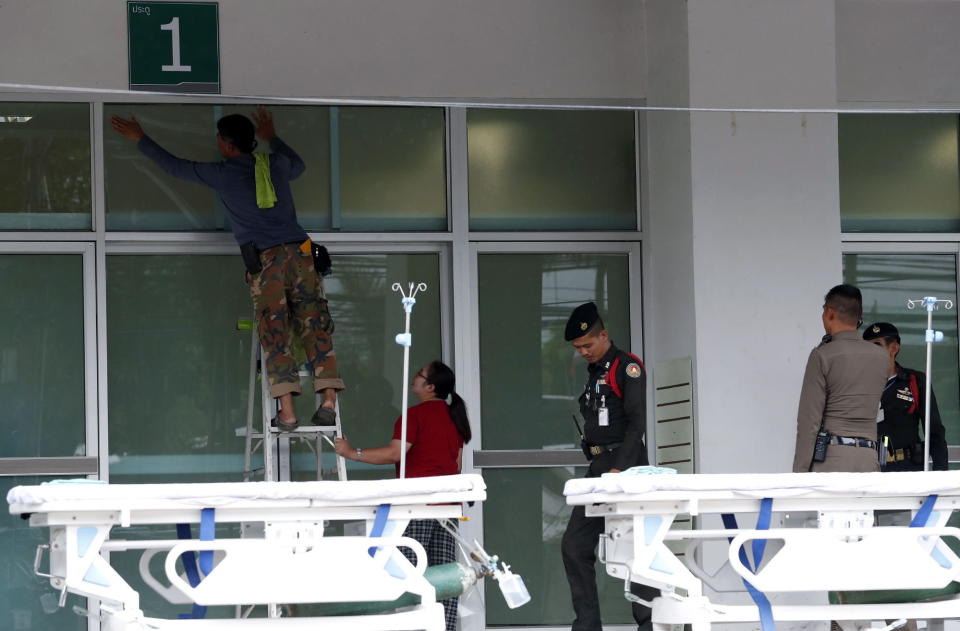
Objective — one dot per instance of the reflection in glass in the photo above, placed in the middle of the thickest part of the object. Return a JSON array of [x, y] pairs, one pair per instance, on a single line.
[[524, 518], [178, 369], [899, 173], [392, 168], [530, 376], [368, 316], [887, 281], [28, 602], [41, 360], [551, 170], [368, 168], [140, 196], [45, 166]]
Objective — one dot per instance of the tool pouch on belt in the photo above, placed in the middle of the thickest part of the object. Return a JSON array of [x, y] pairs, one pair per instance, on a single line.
[[321, 260], [251, 257]]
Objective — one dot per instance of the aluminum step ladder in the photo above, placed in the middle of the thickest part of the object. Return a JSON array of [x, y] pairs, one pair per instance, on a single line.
[[274, 443]]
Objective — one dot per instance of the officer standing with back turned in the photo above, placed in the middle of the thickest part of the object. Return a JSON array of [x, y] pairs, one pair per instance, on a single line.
[[613, 406]]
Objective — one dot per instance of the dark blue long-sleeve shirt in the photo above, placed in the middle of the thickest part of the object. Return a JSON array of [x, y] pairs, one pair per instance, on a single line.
[[233, 180]]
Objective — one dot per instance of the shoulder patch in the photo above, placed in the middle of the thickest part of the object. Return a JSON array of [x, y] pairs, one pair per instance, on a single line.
[[633, 370]]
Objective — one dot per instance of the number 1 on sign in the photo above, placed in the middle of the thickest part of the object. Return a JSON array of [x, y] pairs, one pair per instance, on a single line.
[[174, 27]]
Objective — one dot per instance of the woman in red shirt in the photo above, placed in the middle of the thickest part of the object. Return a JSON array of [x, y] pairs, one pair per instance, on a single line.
[[436, 433]]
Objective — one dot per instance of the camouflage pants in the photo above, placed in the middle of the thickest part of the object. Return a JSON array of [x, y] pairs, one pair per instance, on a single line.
[[289, 301]]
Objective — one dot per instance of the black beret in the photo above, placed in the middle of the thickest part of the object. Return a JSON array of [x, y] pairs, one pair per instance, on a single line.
[[582, 318], [881, 329]]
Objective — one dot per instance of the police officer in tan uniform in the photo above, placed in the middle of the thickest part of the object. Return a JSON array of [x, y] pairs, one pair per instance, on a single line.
[[841, 391]]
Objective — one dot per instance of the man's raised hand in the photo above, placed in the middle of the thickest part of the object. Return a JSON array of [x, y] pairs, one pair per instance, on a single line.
[[130, 129], [264, 124]]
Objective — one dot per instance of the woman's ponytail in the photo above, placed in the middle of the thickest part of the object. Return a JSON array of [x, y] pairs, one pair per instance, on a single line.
[[442, 379]]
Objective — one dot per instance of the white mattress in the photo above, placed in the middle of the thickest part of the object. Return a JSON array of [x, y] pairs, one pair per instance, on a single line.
[[25, 499], [757, 485]]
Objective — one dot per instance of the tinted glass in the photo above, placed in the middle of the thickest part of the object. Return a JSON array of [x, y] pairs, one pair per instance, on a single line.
[[551, 170], [45, 166]]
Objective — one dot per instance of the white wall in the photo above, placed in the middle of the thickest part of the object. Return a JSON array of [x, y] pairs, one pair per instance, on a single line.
[[744, 225], [898, 52], [341, 48]]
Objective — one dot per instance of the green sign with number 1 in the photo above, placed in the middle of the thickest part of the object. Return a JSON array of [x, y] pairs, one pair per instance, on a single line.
[[174, 46]]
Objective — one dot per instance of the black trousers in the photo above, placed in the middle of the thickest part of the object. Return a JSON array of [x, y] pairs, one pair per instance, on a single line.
[[579, 549]]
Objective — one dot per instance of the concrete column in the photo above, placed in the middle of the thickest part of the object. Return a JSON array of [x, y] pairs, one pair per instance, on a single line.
[[743, 215]]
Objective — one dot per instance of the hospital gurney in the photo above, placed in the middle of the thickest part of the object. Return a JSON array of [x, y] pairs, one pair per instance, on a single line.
[[290, 560], [844, 550]]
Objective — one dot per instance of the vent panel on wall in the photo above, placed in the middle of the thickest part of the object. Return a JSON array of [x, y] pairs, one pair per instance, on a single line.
[[673, 401]]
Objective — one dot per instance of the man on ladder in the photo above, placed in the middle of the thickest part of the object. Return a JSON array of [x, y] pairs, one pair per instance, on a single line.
[[283, 267]]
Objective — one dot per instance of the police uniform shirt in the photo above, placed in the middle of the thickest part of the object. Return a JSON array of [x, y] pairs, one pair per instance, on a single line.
[[842, 384], [901, 417], [618, 383]]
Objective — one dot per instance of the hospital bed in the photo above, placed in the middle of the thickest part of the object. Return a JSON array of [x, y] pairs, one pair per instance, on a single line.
[[289, 559], [821, 531]]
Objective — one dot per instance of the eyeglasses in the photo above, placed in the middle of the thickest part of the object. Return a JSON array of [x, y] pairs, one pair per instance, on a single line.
[[420, 374]]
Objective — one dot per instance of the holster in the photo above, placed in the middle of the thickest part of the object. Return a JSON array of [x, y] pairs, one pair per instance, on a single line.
[[251, 257], [820, 446], [321, 260], [585, 448], [916, 454]]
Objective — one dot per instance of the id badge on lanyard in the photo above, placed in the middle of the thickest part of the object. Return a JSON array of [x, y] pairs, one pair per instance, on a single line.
[[603, 414]]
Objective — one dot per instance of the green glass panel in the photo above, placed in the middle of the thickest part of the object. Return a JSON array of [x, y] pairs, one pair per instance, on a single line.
[[392, 168], [177, 366], [551, 170], [179, 369], [528, 371], [45, 166], [28, 602], [887, 282], [899, 173], [140, 196], [41, 361], [368, 168], [368, 316], [524, 518]]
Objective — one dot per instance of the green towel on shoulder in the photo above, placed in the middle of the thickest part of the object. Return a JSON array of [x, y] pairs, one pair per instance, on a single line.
[[266, 195]]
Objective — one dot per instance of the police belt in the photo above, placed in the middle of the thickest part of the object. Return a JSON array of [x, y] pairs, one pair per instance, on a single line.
[[596, 450], [853, 442]]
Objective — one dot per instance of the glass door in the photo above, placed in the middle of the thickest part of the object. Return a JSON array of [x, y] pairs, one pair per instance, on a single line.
[[524, 390], [49, 417]]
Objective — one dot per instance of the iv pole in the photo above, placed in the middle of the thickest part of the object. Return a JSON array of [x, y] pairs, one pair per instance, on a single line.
[[931, 303], [405, 340]]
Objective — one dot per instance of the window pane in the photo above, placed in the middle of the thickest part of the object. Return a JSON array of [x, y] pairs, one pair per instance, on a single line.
[[899, 173], [45, 166], [387, 164], [393, 168], [41, 361], [551, 170], [368, 317], [28, 602], [178, 370], [887, 282], [527, 370], [140, 196], [524, 518], [178, 367]]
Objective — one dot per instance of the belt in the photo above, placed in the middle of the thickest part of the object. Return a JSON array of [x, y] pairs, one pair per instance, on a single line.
[[853, 442], [596, 450]]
